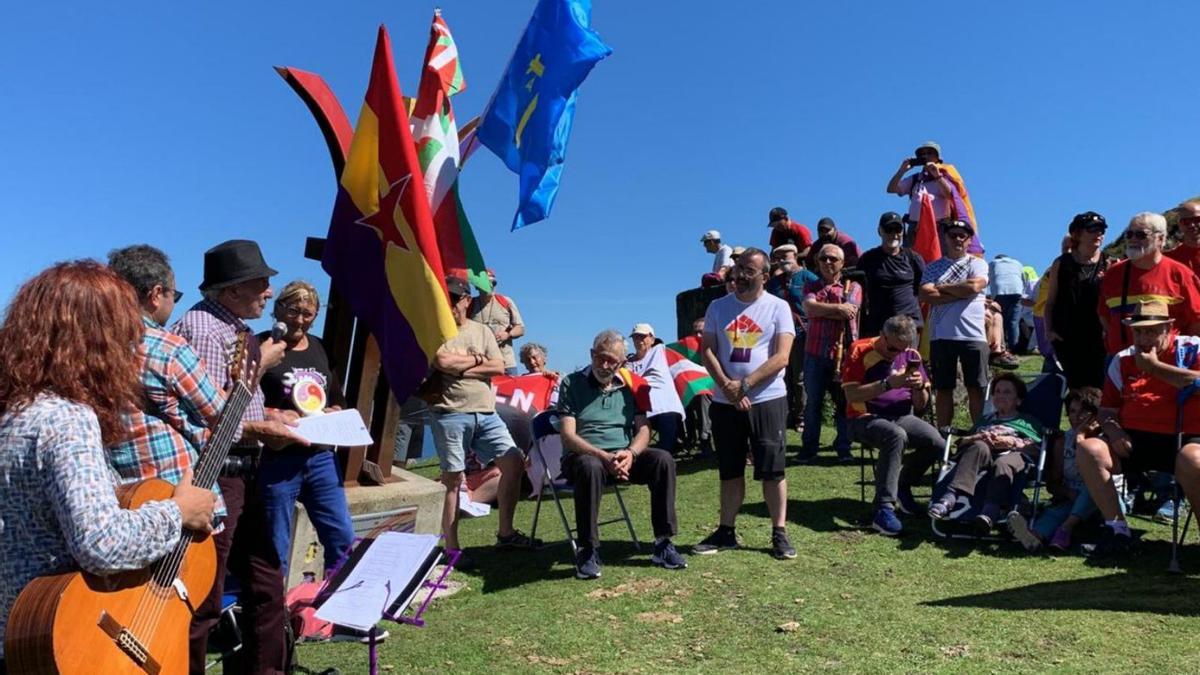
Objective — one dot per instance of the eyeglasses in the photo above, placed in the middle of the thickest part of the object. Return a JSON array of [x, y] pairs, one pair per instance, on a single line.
[[958, 236], [1190, 220], [1095, 227], [1138, 235], [176, 293], [893, 229], [298, 313], [829, 259], [745, 272], [606, 360]]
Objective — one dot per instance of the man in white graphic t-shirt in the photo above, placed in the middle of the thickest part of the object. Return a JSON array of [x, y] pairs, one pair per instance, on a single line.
[[747, 339]]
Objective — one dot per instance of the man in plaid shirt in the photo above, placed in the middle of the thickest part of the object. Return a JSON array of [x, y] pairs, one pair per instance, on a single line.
[[236, 287], [831, 305], [182, 403]]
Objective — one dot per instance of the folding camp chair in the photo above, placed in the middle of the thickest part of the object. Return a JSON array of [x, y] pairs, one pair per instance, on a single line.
[[1043, 401], [547, 446]]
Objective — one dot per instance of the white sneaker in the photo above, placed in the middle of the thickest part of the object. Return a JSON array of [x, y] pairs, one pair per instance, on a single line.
[[1019, 527]]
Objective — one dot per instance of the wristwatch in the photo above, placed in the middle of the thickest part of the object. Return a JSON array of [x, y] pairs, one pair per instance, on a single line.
[[743, 389]]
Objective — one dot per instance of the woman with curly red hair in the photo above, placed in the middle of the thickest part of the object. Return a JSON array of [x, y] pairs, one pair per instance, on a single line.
[[68, 367]]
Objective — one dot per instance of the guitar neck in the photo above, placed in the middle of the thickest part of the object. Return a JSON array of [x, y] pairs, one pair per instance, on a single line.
[[212, 457]]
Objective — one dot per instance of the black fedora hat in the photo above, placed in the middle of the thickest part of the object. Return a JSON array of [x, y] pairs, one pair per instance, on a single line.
[[232, 262]]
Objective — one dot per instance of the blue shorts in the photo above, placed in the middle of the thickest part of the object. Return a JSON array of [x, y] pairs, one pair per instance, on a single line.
[[485, 433]]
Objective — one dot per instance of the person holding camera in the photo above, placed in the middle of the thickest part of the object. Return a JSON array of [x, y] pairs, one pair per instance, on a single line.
[[886, 389], [943, 183]]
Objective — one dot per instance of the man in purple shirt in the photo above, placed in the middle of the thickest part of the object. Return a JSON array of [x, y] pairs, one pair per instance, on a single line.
[[236, 287], [828, 233], [886, 388]]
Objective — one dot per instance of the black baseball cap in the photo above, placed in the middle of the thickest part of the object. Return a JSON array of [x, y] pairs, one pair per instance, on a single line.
[[947, 224], [891, 218], [826, 223], [1086, 219], [458, 287]]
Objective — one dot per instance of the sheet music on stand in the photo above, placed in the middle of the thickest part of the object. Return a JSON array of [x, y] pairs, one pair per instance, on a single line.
[[379, 580]]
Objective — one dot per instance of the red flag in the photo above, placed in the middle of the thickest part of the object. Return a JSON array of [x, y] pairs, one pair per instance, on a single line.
[[926, 240]]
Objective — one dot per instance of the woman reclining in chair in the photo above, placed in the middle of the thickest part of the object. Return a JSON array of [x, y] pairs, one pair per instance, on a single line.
[[1004, 441]]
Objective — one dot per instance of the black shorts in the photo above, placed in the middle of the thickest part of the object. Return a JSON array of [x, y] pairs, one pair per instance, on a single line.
[[761, 431], [1152, 451], [944, 357]]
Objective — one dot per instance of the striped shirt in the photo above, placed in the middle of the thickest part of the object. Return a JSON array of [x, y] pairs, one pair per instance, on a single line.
[[166, 437], [58, 505], [212, 331]]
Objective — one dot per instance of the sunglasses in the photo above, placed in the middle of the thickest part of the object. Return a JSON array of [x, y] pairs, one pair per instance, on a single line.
[[1095, 227], [958, 236], [893, 229], [1190, 220], [178, 294], [829, 259], [1138, 235]]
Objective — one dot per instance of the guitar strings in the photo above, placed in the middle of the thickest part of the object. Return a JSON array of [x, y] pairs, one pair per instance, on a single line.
[[147, 614], [154, 599]]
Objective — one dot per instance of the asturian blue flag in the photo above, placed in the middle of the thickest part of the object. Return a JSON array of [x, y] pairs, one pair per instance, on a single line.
[[528, 121]]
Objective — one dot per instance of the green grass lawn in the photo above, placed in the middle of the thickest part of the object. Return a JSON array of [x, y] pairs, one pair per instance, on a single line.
[[851, 601]]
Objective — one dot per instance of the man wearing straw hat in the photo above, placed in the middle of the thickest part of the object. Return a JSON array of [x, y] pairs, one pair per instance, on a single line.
[[1147, 415]]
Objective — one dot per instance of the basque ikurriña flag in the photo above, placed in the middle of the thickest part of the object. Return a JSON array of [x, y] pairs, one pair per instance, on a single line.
[[381, 251], [528, 121], [437, 149]]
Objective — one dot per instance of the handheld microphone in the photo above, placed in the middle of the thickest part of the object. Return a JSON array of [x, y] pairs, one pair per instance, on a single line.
[[278, 331]]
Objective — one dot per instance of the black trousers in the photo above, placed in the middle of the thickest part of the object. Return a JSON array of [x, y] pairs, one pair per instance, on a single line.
[[245, 548], [652, 467]]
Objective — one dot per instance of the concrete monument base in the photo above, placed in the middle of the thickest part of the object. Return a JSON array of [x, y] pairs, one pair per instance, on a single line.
[[411, 503]]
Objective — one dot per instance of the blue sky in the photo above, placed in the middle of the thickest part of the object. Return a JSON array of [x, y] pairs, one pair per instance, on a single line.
[[164, 123]]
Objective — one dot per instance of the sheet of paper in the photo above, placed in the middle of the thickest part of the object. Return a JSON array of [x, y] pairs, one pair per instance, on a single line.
[[474, 509], [344, 428], [380, 577]]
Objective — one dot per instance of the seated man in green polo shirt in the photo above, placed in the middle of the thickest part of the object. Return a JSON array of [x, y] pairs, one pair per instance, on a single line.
[[605, 435]]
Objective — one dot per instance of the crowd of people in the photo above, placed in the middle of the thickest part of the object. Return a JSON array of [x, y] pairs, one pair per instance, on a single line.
[[803, 323]]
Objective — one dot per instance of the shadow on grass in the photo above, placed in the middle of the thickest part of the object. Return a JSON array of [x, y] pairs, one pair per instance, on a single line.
[[500, 569], [820, 515], [1135, 590]]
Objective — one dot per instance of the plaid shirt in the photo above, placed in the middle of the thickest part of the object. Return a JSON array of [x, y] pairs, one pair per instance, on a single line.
[[212, 331], [825, 335], [180, 402], [58, 505]]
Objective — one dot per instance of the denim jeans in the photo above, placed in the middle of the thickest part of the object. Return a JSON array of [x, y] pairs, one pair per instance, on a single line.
[[312, 479], [667, 425], [819, 372], [1010, 310]]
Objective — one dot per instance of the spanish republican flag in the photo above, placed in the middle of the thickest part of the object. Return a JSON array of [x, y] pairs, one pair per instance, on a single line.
[[382, 251]]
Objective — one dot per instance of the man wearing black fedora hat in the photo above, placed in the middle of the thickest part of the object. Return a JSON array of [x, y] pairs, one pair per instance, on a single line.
[[236, 287]]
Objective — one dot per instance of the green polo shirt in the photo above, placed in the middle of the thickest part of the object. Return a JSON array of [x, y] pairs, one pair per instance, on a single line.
[[602, 418]]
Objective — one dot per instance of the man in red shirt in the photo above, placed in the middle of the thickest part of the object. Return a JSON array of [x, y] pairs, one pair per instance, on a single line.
[[784, 230], [1188, 252], [1147, 401], [1147, 276]]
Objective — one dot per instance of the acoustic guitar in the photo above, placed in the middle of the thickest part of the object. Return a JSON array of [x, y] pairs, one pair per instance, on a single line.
[[130, 622]]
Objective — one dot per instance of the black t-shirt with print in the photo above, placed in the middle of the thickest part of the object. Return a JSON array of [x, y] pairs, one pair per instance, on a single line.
[[307, 367]]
